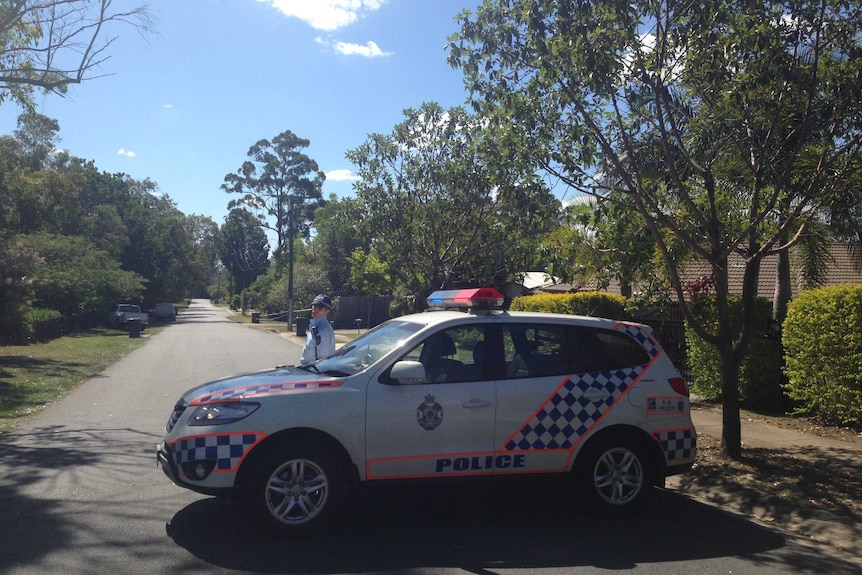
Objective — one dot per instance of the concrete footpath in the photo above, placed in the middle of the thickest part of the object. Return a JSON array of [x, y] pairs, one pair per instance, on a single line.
[[840, 460]]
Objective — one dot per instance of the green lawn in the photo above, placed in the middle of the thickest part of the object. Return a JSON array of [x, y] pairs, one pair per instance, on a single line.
[[33, 376]]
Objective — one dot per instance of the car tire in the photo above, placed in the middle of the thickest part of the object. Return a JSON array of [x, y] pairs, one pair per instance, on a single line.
[[296, 489], [616, 475]]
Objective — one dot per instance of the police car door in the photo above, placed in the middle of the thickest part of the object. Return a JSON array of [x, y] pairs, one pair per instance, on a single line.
[[536, 427], [442, 427]]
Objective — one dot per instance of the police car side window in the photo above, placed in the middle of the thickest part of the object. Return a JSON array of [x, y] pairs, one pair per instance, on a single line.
[[455, 355], [621, 349], [604, 349], [536, 350]]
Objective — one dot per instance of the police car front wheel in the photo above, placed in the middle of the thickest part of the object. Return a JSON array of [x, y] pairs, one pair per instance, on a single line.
[[296, 489]]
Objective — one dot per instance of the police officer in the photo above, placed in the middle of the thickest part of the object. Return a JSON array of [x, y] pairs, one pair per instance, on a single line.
[[320, 339]]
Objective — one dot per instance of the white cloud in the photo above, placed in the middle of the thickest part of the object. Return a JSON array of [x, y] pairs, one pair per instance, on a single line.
[[342, 175], [125, 152], [168, 106], [369, 50], [326, 14]]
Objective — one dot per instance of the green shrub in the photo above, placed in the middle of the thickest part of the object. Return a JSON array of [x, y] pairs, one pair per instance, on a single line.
[[42, 324], [760, 375], [596, 304], [822, 339]]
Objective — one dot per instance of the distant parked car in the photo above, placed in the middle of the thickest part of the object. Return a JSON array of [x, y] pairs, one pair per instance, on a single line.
[[164, 311], [126, 312]]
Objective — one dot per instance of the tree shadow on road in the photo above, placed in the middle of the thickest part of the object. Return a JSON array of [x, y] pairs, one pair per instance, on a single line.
[[77, 474]]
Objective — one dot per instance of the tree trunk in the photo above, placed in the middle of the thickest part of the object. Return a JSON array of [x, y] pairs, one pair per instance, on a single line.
[[625, 288], [731, 432], [729, 360], [783, 287]]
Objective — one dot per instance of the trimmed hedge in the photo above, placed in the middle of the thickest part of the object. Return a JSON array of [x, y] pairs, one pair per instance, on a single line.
[[760, 375], [596, 304], [822, 339]]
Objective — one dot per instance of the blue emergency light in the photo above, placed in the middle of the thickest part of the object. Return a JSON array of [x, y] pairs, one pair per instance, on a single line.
[[476, 298]]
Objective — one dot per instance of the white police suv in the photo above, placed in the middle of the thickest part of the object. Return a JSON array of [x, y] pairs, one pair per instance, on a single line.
[[468, 390]]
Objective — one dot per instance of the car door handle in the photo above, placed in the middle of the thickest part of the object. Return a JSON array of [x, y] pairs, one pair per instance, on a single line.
[[594, 394], [475, 403]]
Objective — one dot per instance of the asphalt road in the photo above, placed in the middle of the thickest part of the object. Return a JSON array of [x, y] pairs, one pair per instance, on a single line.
[[80, 494]]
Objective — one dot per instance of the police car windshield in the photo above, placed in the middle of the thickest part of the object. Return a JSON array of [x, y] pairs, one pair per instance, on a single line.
[[368, 348]]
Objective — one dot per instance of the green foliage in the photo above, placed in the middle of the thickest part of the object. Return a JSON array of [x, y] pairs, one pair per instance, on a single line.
[[445, 206], [309, 280], [760, 379], [600, 241], [244, 250], [79, 241], [17, 264], [822, 339], [77, 279], [42, 324], [269, 292], [595, 304], [341, 231], [369, 275]]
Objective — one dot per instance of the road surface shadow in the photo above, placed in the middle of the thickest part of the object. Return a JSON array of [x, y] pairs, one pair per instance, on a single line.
[[488, 528]]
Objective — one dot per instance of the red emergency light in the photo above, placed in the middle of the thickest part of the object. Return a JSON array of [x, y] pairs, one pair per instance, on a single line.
[[475, 298]]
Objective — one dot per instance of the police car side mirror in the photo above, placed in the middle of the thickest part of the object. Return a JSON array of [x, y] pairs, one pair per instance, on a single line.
[[408, 372]]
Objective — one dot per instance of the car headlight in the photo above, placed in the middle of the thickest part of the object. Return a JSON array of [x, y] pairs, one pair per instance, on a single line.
[[222, 413]]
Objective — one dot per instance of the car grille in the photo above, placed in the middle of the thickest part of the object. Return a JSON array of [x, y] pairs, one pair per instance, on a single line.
[[179, 408]]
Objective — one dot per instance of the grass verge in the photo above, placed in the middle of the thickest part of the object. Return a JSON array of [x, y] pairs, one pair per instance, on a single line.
[[33, 376]]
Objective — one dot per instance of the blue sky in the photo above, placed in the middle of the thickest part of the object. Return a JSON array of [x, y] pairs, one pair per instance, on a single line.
[[182, 105]]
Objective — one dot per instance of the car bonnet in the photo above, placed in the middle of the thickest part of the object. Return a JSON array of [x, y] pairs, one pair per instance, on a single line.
[[259, 384]]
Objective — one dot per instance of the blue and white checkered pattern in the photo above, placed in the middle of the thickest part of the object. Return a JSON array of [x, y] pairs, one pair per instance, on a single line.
[[568, 415], [255, 390], [226, 449], [677, 444], [642, 337]]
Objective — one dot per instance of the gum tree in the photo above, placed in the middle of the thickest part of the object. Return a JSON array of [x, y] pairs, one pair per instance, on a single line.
[[281, 185], [728, 126]]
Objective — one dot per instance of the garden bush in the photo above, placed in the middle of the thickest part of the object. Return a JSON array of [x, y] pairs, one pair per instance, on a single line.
[[760, 376], [596, 304], [822, 339]]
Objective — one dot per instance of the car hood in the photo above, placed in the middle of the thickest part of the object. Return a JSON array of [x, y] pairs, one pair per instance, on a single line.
[[257, 384]]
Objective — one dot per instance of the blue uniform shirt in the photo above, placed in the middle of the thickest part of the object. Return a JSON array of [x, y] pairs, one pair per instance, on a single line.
[[319, 341]]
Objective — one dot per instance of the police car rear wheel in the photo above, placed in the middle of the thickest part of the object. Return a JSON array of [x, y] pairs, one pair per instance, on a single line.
[[297, 490], [616, 475]]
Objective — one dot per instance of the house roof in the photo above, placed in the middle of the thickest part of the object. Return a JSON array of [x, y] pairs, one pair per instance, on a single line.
[[844, 267]]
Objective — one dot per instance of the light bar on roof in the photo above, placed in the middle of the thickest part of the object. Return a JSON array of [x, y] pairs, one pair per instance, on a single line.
[[475, 298]]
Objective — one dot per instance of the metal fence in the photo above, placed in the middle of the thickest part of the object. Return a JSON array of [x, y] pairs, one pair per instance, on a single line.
[[360, 312], [668, 326]]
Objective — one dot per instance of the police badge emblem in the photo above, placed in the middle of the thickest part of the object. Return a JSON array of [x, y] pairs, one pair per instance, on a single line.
[[430, 414]]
